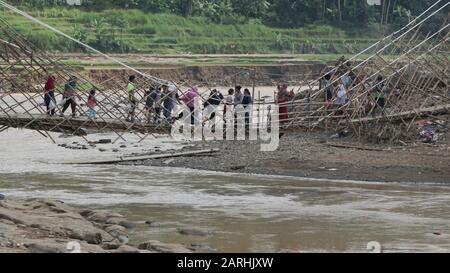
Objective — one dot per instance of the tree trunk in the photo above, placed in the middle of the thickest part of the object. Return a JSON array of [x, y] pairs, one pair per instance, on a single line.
[[387, 11], [189, 8], [339, 10], [324, 6]]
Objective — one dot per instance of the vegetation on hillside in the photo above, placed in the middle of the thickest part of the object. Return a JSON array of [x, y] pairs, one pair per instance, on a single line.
[[215, 26]]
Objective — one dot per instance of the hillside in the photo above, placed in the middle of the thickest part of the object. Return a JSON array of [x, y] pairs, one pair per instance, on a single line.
[[135, 31]]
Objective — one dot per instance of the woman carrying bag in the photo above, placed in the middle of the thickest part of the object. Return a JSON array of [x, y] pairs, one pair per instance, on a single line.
[[49, 95]]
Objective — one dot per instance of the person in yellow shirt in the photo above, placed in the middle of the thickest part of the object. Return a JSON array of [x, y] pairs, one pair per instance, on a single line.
[[131, 89]]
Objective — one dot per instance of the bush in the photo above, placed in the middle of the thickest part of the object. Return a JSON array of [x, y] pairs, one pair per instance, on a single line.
[[145, 29]]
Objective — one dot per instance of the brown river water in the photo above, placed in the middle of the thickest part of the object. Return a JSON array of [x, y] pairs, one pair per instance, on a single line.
[[244, 213]]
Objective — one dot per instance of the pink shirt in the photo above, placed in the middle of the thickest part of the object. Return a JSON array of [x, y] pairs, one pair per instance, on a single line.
[[92, 102], [189, 97]]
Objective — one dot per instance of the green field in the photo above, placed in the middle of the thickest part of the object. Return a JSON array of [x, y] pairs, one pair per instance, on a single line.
[[133, 31]]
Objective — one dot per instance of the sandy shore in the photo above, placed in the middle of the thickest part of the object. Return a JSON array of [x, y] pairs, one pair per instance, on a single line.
[[310, 155]]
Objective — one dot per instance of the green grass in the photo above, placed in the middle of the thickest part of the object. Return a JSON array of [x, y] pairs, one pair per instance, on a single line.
[[124, 31]]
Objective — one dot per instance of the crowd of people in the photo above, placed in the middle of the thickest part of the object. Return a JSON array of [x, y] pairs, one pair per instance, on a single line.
[[161, 101], [69, 98], [337, 83]]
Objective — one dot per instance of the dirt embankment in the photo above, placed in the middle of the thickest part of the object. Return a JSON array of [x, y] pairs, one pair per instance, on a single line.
[[48, 226], [269, 75]]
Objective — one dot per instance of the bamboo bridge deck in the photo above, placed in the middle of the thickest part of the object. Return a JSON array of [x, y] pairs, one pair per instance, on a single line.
[[78, 125]]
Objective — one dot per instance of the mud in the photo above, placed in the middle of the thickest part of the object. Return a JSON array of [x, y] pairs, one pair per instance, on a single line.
[[308, 155]]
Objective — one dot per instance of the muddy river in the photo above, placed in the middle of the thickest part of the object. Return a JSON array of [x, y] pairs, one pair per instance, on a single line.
[[244, 213]]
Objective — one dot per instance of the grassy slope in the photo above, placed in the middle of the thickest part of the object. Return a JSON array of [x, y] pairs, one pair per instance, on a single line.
[[169, 34]]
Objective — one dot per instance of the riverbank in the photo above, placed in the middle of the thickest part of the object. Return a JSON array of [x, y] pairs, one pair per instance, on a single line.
[[50, 226], [313, 155]]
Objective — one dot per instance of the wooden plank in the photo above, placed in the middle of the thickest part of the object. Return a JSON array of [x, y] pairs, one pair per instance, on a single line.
[[435, 110], [4, 128], [349, 146], [46, 123], [141, 158]]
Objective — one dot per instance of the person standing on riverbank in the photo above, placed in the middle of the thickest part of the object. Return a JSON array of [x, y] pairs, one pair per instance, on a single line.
[[49, 95], [69, 96], [325, 84], [378, 93], [282, 100], [131, 90], [342, 98], [92, 103], [247, 103]]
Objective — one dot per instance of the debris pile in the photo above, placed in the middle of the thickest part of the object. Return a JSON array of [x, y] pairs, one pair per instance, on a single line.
[[380, 99]]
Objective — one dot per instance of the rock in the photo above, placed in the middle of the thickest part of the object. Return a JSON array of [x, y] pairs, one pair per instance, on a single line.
[[116, 231], [202, 248], [44, 248], [111, 246], [102, 150], [123, 146], [127, 249], [167, 162], [98, 217], [62, 246], [153, 224], [287, 251], [93, 238], [194, 232], [159, 247], [237, 168], [2, 197], [114, 221], [115, 150], [47, 226], [127, 224], [104, 141], [115, 215], [86, 213], [123, 239]]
